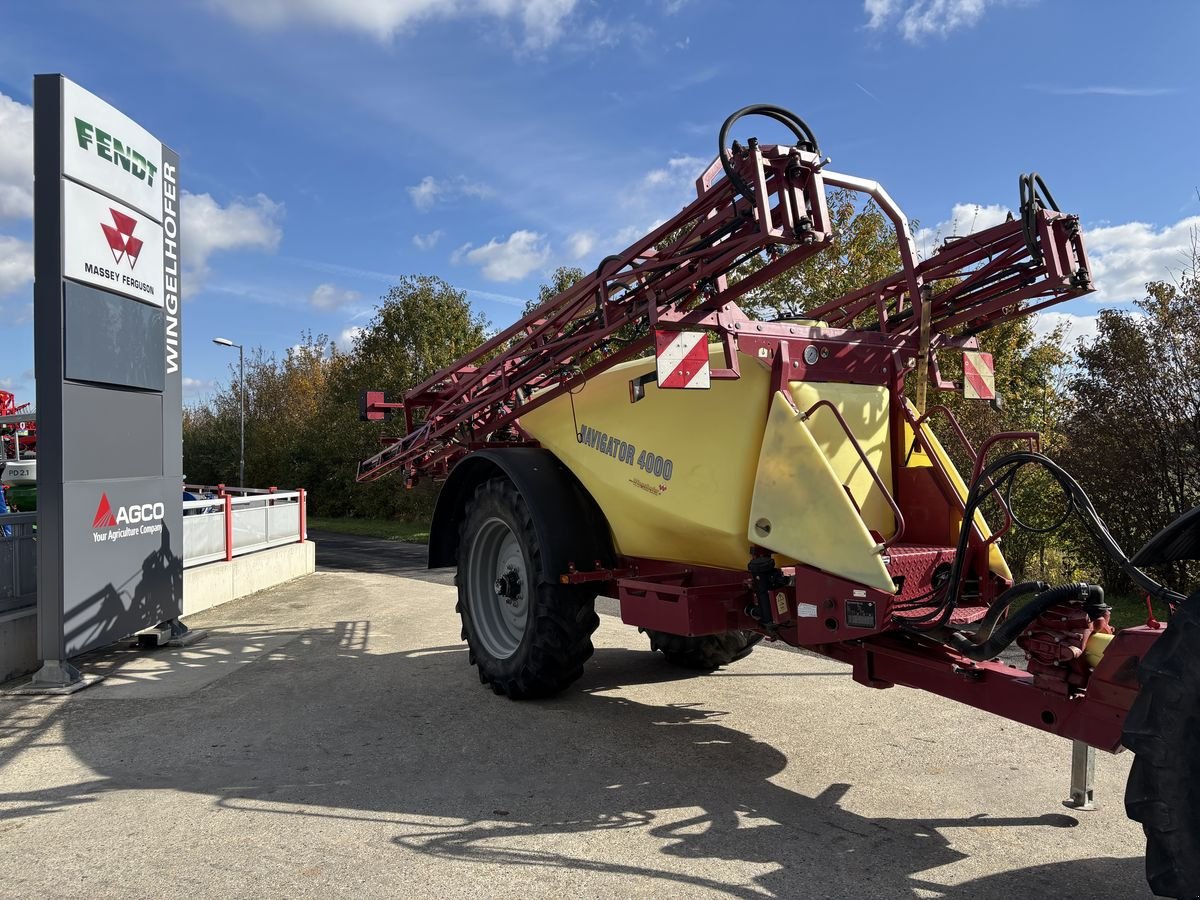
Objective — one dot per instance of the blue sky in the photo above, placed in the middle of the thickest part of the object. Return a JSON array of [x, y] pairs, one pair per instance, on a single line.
[[331, 145]]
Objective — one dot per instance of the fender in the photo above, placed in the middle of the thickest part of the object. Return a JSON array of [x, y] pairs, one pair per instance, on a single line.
[[569, 524]]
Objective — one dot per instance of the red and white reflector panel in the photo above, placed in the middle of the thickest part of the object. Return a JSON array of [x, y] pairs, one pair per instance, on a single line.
[[682, 359], [979, 375]]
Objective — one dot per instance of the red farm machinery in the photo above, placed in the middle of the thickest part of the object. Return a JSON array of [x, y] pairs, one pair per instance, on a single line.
[[18, 435], [638, 436]]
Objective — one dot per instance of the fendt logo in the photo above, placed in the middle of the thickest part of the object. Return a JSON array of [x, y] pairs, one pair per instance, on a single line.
[[121, 241], [147, 516], [113, 150]]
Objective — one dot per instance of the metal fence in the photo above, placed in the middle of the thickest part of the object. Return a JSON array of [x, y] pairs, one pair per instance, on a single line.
[[223, 526], [18, 560], [217, 528]]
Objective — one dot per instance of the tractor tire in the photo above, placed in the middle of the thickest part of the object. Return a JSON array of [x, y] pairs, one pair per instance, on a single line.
[[527, 636], [706, 652], [1163, 731]]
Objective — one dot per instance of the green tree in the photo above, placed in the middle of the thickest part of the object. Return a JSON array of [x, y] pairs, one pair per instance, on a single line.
[[562, 278], [421, 326], [284, 401], [863, 250], [302, 427], [1134, 432]]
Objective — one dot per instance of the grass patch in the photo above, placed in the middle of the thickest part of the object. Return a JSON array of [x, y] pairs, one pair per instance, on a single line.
[[1126, 611], [1130, 611], [413, 531]]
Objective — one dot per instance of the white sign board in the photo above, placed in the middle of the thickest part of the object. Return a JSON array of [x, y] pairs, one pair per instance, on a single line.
[[104, 148], [111, 245]]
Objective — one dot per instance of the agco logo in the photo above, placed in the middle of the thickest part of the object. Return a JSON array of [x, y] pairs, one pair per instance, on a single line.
[[121, 241], [126, 515]]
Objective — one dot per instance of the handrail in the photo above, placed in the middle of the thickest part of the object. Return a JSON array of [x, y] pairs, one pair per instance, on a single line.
[[887, 495], [977, 457], [225, 509], [18, 540]]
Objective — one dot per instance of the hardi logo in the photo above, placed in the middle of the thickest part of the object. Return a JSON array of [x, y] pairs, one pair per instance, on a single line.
[[113, 150], [107, 517], [121, 241]]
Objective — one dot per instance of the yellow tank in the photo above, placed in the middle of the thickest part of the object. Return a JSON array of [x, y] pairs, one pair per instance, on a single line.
[[697, 476]]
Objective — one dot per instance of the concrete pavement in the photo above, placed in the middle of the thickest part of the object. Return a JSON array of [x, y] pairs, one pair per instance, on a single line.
[[330, 739]]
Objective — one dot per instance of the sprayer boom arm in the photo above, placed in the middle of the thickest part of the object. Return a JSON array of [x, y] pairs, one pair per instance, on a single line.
[[685, 274]]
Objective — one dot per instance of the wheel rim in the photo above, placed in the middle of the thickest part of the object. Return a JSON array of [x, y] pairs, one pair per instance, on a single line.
[[497, 588]]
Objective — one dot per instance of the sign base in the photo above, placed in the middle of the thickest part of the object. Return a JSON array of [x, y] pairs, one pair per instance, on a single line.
[[55, 678]]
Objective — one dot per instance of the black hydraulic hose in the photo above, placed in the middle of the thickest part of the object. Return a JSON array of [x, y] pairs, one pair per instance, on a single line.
[[1023, 618], [1001, 604], [805, 139], [1004, 469], [1031, 202]]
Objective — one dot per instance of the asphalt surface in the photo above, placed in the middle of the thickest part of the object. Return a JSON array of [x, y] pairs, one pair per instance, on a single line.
[[330, 739]]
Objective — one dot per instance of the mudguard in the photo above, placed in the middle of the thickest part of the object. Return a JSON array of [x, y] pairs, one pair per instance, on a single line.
[[570, 527]]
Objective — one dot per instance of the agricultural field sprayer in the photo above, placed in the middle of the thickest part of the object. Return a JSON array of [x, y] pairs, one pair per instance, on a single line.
[[638, 436]]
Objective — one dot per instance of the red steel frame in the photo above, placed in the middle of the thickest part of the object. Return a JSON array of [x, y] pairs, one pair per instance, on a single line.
[[8, 409], [686, 275]]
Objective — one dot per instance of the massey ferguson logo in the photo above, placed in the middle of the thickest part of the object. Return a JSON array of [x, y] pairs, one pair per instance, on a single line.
[[120, 238], [122, 520]]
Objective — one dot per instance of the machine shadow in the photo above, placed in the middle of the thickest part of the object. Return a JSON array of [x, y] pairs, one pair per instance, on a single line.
[[324, 728], [110, 613]]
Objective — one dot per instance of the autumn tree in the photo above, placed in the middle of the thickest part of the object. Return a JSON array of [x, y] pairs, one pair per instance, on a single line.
[[420, 326], [302, 425], [1133, 436]]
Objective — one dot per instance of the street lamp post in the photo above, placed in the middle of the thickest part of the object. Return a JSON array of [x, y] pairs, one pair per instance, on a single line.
[[225, 342]]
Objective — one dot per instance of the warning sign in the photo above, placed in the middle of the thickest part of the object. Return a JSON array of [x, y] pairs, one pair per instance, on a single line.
[[682, 359], [979, 375]]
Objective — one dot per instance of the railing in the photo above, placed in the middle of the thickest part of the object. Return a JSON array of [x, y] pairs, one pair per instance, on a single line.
[[18, 560], [222, 525], [887, 495], [218, 528], [977, 458]]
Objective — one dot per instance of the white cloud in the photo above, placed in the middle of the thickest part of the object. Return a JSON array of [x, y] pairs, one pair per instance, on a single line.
[[431, 191], [918, 19], [210, 228], [580, 244], [507, 260], [16, 159], [1103, 90], [879, 11], [198, 387], [425, 194], [965, 218], [542, 20], [16, 264], [679, 171], [1125, 257], [329, 296], [1077, 326], [427, 241], [345, 340]]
